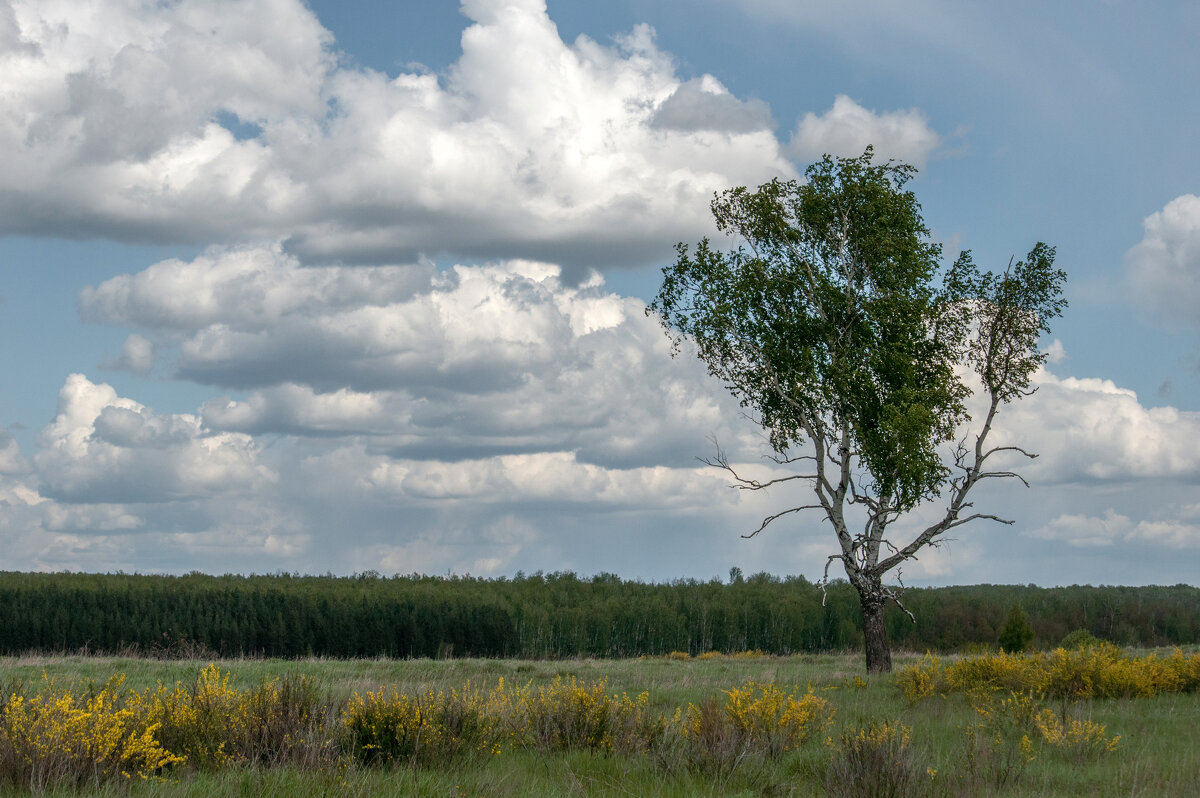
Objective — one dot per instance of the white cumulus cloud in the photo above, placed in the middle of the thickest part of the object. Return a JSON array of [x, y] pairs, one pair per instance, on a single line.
[[1091, 430], [1163, 270], [847, 128], [137, 356], [201, 121], [103, 448], [498, 358]]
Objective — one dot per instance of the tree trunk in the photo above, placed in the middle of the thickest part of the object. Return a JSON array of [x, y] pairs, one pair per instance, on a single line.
[[879, 651]]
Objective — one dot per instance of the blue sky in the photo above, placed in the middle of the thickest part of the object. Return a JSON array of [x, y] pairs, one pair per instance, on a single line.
[[359, 285]]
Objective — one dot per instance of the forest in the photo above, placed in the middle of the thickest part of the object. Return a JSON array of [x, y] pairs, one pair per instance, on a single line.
[[540, 616]]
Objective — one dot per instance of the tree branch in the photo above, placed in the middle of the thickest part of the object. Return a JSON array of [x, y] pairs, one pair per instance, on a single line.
[[767, 521]]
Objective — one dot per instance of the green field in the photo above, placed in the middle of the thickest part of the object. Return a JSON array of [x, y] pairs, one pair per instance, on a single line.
[[1157, 754]]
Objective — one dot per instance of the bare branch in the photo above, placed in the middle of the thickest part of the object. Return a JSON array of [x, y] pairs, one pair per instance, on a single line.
[[993, 450], [767, 521], [976, 516], [894, 596], [1002, 475], [748, 483], [781, 460]]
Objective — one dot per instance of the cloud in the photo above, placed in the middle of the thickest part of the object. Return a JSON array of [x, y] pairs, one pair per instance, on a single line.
[[89, 518], [1055, 352], [847, 128], [11, 459], [493, 549], [105, 449], [1090, 430], [246, 287], [502, 358], [1085, 531], [137, 356], [705, 104], [448, 398], [198, 122], [1162, 271], [546, 477]]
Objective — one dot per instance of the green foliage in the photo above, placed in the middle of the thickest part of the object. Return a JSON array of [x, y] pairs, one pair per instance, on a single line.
[[1017, 634], [822, 322], [826, 323]]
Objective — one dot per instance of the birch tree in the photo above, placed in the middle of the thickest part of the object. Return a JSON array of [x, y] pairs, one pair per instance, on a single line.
[[828, 322]]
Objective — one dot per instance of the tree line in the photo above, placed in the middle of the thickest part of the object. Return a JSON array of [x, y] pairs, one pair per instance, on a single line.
[[546, 615]]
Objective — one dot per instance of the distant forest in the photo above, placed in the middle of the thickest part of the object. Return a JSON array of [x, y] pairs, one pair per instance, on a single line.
[[545, 615]]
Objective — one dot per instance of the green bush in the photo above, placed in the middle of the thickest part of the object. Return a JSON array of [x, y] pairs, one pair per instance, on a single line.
[[1080, 638]]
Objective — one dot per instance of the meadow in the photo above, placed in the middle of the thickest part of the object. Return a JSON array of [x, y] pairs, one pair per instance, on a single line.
[[1098, 721]]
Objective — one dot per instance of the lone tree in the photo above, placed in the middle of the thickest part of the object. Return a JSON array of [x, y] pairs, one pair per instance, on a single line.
[[827, 324], [1016, 635]]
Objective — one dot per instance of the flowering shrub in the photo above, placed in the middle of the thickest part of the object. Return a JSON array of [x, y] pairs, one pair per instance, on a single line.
[[1099, 671], [923, 680], [1001, 745], [572, 715], [1007, 692], [56, 738], [1080, 737], [279, 721], [199, 722], [437, 726], [873, 761], [433, 727], [755, 720]]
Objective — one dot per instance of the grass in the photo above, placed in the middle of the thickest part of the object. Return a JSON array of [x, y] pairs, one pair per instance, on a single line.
[[1156, 755]]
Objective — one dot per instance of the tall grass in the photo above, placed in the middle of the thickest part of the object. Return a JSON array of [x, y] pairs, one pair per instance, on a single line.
[[660, 726]]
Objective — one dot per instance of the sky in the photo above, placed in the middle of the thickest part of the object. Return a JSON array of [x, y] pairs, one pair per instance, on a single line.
[[339, 286]]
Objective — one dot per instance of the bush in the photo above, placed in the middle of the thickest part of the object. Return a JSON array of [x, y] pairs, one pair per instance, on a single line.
[[755, 720], [282, 721], [1078, 738], [1100, 671], [581, 716], [1080, 638], [55, 738], [433, 728], [874, 762]]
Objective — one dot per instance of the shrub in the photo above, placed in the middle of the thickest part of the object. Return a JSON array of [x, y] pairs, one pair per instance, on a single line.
[[282, 721], [873, 762], [433, 728], [1099, 671], [581, 716], [755, 720], [57, 739], [1076, 737], [1000, 746], [1080, 638], [921, 681]]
